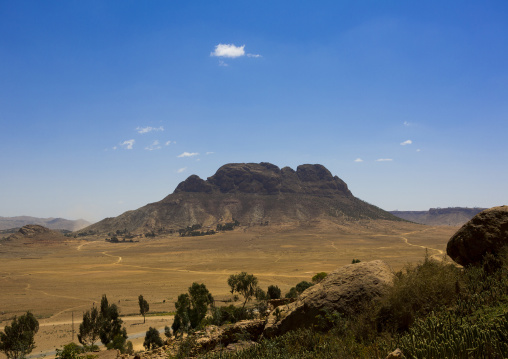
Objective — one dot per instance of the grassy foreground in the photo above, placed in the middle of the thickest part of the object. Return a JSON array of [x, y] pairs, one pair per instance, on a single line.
[[434, 310]]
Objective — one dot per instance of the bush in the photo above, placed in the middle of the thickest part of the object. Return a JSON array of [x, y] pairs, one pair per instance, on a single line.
[[152, 339], [228, 315], [273, 292], [319, 277], [418, 291], [69, 351]]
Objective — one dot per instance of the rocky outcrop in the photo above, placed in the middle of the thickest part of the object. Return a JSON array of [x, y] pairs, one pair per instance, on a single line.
[[36, 233], [266, 178], [343, 291], [244, 331], [487, 232]]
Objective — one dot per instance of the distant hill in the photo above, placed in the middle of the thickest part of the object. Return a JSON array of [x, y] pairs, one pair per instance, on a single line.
[[34, 233], [453, 216], [252, 194], [51, 223]]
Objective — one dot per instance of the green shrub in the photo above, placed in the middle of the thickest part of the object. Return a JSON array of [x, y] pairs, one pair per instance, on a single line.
[[418, 291], [273, 292]]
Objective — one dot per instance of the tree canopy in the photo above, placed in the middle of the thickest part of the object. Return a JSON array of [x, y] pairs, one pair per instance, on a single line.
[[17, 339], [245, 284]]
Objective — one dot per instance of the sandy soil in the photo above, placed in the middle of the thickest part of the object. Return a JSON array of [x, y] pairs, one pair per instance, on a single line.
[[56, 280]]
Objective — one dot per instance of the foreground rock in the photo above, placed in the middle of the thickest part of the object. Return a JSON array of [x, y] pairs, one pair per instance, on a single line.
[[344, 291], [244, 332], [487, 232]]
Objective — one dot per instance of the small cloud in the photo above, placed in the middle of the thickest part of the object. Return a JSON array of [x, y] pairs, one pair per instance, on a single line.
[[188, 154], [154, 146], [222, 63], [167, 143], [418, 150], [228, 50], [407, 142], [183, 169], [358, 160], [406, 123], [114, 148], [210, 153], [254, 55], [384, 160], [128, 144], [143, 130]]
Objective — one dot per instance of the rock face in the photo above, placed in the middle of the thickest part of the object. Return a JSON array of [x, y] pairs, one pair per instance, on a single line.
[[34, 232], [344, 291], [487, 232], [266, 178]]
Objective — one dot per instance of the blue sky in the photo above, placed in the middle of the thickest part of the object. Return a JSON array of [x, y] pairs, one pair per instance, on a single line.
[[107, 105]]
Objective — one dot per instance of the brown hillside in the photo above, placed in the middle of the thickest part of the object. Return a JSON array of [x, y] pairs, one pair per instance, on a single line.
[[253, 194]]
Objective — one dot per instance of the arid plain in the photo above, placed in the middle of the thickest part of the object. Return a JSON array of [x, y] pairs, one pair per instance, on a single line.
[[58, 280]]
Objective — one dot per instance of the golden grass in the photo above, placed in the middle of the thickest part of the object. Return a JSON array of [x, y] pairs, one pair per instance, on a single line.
[[55, 279]]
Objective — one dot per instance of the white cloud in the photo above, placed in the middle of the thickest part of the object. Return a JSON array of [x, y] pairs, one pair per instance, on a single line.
[[228, 50], [154, 146], [222, 63], [188, 154], [406, 123], [254, 55], [181, 170], [418, 150], [358, 160], [114, 148], [168, 143], [384, 160], [128, 144], [143, 130], [407, 142], [210, 153]]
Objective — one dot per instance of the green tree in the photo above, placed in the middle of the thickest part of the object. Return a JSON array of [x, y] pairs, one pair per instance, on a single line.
[[244, 284], [144, 307], [273, 292], [300, 287], [319, 277], [191, 308], [153, 339], [90, 328], [111, 324], [17, 340], [69, 351]]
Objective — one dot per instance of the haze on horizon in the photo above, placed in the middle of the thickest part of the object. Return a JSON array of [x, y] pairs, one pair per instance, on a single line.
[[105, 107]]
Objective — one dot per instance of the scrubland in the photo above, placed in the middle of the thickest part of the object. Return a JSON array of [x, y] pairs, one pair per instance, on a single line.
[[55, 280]]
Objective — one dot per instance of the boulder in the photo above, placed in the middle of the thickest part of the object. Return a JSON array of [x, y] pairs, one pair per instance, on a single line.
[[246, 330], [345, 291], [487, 232]]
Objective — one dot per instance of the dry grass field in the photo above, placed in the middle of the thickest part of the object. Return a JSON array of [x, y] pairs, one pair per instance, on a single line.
[[56, 279]]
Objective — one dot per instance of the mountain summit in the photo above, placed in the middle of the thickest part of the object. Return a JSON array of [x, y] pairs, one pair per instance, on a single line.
[[253, 194]]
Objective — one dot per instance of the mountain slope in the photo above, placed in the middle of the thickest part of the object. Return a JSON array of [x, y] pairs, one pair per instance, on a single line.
[[51, 223], [454, 216], [253, 194]]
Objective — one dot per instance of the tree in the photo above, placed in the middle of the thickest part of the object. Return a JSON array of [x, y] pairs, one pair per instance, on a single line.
[[144, 307], [273, 292], [319, 277], [110, 322], [90, 328], [191, 308], [300, 287], [243, 283], [152, 339], [17, 340], [69, 351]]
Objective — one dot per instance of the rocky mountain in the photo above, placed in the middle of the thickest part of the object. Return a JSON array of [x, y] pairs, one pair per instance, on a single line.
[[453, 216], [34, 232], [52, 223], [251, 193]]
